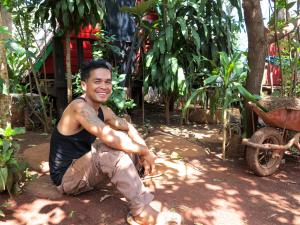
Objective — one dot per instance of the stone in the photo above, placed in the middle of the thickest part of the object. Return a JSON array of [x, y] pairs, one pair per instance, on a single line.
[[37, 157]]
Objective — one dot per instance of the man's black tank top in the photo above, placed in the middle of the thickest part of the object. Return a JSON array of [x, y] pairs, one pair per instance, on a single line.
[[65, 148]]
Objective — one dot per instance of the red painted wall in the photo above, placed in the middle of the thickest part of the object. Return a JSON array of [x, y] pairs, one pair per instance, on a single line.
[[87, 34]]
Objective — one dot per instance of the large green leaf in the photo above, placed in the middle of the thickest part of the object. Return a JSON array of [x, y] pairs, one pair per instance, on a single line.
[[154, 73], [162, 45], [6, 145], [149, 58], [237, 5], [224, 59], [181, 80], [172, 87], [166, 88], [88, 4], [166, 64], [18, 130], [169, 37], [6, 155], [81, 9], [205, 30], [140, 9], [3, 178], [13, 163], [171, 12], [64, 5], [183, 27], [4, 30], [71, 5], [248, 96], [290, 5], [57, 9], [174, 65], [8, 131], [66, 19], [194, 94], [230, 66], [117, 78], [119, 98], [210, 79], [196, 38], [146, 84], [14, 47]]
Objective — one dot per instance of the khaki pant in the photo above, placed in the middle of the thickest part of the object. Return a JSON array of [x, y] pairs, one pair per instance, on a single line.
[[91, 169]]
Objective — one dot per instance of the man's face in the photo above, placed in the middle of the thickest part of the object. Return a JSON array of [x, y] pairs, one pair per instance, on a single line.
[[98, 86]]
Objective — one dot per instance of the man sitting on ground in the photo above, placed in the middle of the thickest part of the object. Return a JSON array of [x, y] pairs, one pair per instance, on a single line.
[[91, 142]]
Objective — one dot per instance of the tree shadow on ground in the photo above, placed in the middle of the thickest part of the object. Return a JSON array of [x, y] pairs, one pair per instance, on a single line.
[[202, 187]]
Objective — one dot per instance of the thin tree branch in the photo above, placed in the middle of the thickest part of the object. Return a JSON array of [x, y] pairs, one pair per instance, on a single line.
[[289, 28]]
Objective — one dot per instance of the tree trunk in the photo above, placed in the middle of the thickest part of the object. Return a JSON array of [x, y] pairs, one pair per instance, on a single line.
[[5, 100], [167, 109], [257, 49], [60, 82], [225, 124], [68, 67]]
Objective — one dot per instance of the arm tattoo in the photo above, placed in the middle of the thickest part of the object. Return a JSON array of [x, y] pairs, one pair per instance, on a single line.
[[119, 121], [90, 117]]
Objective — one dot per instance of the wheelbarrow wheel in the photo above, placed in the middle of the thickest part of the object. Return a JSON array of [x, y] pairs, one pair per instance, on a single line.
[[264, 162]]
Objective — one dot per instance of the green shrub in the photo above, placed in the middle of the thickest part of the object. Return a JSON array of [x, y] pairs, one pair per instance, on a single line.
[[11, 169]]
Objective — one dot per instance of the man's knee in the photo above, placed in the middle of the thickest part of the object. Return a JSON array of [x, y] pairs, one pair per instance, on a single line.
[[108, 152], [110, 159]]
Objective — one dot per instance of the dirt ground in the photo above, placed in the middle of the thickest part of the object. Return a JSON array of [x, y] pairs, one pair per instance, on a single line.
[[192, 180]]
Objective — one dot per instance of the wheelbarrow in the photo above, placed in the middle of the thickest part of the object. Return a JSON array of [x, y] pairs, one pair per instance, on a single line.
[[267, 145]]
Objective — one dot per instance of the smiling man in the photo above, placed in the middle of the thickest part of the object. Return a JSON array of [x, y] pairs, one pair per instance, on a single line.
[[90, 142]]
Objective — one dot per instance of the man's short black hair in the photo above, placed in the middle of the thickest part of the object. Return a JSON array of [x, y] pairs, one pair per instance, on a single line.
[[87, 67]]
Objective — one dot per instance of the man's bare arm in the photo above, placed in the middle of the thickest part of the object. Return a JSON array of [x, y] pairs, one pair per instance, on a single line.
[[121, 124], [113, 120], [89, 120], [147, 160]]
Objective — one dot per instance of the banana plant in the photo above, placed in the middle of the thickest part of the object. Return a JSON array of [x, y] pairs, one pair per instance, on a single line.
[[172, 39], [182, 37], [227, 82], [10, 168]]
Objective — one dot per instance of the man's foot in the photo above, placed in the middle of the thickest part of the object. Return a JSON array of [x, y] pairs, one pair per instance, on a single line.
[[147, 216], [168, 218], [150, 216]]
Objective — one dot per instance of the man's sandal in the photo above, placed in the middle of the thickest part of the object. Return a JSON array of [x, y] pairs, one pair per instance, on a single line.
[[130, 220], [163, 218]]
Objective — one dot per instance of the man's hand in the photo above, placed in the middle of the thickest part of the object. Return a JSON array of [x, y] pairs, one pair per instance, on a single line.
[[148, 161]]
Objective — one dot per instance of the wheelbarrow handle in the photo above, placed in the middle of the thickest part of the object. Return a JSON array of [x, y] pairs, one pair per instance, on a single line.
[[293, 141]]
